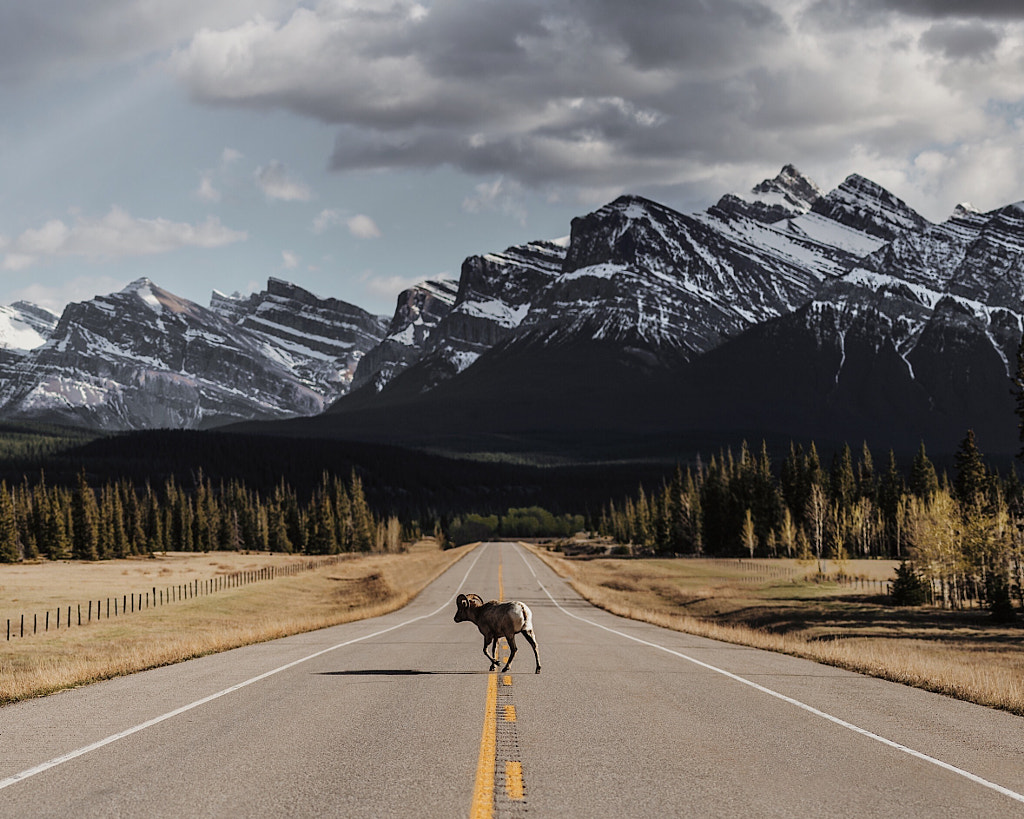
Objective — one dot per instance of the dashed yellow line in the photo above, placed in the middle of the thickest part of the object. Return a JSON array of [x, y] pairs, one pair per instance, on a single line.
[[483, 791], [483, 806], [514, 780]]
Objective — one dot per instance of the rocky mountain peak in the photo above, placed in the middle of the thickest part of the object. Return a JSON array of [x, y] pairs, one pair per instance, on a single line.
[[798, 189], [788, 194], [867, 206]]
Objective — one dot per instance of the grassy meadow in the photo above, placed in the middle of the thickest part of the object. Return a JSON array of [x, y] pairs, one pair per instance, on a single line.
[[781, 605], [357, 587]]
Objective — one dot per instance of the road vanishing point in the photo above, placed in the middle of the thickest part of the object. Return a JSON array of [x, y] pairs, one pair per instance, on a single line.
[[399, 716]]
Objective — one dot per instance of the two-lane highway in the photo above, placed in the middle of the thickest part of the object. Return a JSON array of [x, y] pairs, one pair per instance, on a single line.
[[397, 716]]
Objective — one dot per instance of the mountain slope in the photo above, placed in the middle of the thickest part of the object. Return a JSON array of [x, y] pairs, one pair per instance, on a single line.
[[321, 341], [145, 358], [838, 316]]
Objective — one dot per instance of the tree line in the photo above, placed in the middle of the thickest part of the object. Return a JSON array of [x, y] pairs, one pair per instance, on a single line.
[[117, 520], [522, 522], [962, 536]]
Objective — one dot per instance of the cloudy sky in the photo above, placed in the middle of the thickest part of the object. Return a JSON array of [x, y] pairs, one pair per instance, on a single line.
[[355, 146]]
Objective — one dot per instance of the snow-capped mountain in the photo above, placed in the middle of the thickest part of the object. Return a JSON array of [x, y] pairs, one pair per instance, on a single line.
[[25, 326], [667, 285], [784, 310], [144, 357], [320, 340], [419, 311]]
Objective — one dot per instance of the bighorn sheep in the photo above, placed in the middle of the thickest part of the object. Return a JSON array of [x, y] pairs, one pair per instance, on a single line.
[[496, 620]]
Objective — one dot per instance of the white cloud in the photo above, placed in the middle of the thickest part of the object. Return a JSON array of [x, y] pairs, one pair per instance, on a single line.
[[206, 191], [275, 183], [386, 287], [499, 195], [363, 227], [56, 298], [115, 235], [229, 156], [289, 260], [326, 219]]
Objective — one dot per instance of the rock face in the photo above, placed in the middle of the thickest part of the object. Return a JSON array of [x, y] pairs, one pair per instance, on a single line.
[[783, 311], [665, 286], [23, 328], [419, 311], [144, 358], [321, 340]]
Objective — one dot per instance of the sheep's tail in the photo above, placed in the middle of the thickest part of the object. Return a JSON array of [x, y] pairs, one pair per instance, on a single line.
[[526, 615]]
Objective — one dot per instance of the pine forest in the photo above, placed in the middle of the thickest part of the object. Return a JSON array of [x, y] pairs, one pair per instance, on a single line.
[[117, 520], [962, 538]]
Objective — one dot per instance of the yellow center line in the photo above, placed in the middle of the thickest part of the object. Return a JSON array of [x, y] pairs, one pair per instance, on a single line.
[[510, 713], [483, 791], [506, 680], [514, 780]]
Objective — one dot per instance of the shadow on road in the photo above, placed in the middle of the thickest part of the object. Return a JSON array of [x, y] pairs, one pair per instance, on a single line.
[[388, 672]]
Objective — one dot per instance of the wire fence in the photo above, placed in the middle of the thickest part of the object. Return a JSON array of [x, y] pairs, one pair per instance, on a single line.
[[106, 608]]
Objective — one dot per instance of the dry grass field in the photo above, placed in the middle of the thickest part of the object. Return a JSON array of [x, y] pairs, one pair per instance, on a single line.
[[357, 587], [777, 605]]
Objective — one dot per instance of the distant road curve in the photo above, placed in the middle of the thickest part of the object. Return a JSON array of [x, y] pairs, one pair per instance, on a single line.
[[397, 716]]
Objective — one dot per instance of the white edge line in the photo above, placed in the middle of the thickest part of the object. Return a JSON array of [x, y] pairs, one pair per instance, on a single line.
[[809, 708], [142, 726]]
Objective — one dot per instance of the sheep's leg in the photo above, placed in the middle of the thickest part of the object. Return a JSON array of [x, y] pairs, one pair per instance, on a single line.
[[493, 654], [532, 640], [511, 640]]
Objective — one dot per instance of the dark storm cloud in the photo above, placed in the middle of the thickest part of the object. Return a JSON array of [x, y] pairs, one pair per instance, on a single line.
[[595, 94], [851, 10], [972, 40], [554, 90]]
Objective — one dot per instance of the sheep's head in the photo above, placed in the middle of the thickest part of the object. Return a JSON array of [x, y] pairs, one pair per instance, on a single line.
[[464, 603]]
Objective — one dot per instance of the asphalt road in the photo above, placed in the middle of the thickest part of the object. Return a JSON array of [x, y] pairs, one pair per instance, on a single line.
[[397, 716]]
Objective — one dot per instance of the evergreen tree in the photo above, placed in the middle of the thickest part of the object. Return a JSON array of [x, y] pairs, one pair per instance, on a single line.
[[362, 521], [85, 517], [971, 482], [923, 481], [54, 538], [908, 589], [866, 473], [10, 548], [843, 484], [322, 539]]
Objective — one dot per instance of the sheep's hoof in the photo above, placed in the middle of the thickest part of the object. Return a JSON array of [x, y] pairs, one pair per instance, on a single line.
[[537, 671]]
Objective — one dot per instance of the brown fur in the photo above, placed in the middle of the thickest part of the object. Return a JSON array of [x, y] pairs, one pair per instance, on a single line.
[[496, 620]]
